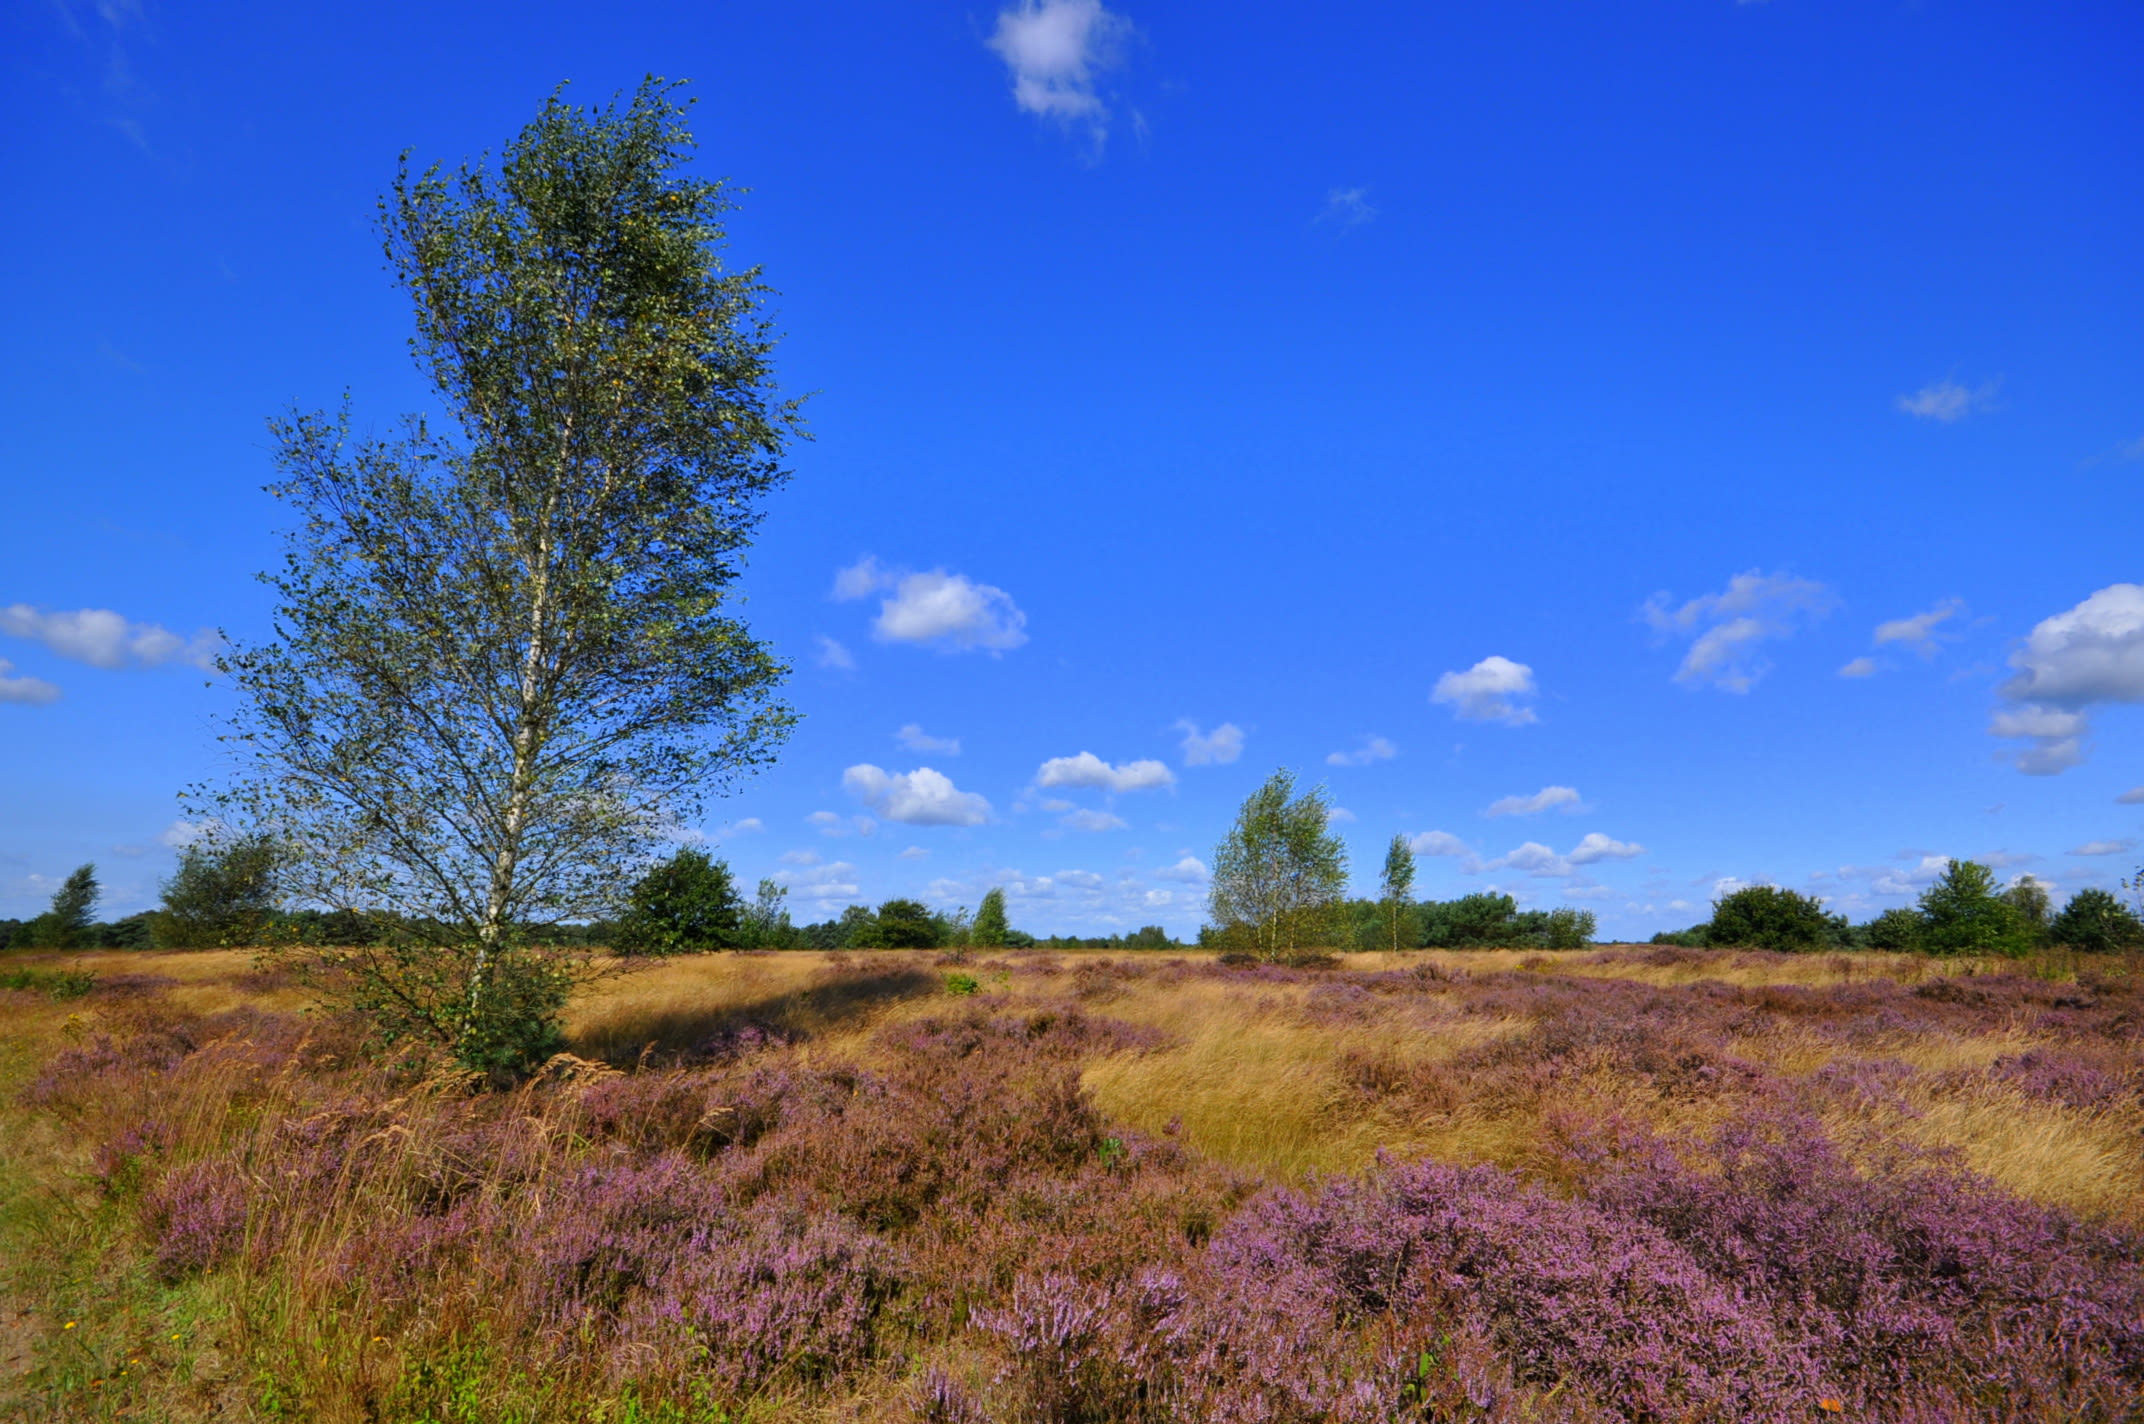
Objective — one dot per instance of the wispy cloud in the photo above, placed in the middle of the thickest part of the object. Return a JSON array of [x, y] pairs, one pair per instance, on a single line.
[[28, 691], [1373, 749], [1727, 628], [913, 737], [105, 639], [834, 655], [1859, 667], [1948, 401], [1348, 207], [1919, 631], [1216, 748], [2109, 847], [1547, 798]]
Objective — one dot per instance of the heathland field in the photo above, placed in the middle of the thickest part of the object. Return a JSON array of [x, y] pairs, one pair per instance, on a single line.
[[1626, 1183]]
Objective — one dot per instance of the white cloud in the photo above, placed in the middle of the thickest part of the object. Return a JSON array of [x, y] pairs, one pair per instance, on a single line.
[[831, 823], [1727, 627], [2103, 848], [1079, 879], [1919, 631], [916, 739], [1155, 899], [1947, 401], [1222, 746], [914, 853], [105, 639], [1597, 847], [1373, 749], [1093, 821], [1489, 691], [1543, 863], [1089, 770], [800, 857], [2134, 796], [824, 885], [922, 797], [1859, 667], [948, 611], [1547, 798], [30, 691], [834, 655], [1055, 50], [1190, 870], [1339, 816], [1437, 843], [2086, 655], [1349, 207]]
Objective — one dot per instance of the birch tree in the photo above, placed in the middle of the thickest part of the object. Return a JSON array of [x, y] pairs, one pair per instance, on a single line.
[[506, 650], [1280, 873]]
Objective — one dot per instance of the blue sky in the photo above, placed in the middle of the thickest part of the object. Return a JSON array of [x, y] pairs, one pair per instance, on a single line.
[[1623, 448]]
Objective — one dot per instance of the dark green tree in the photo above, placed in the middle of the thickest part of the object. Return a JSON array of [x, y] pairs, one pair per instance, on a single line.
[[766, 920], [224, 893], [1770, 917], [1396, 887], [2095, 922], [684, 905], [905, 924], [2028, 896], [1962, 913], [1280, 875], [991, 927], [71, 920], [1898, 931], [507, 656]]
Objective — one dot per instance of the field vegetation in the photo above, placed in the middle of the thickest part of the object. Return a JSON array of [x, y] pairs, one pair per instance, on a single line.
[[1634, 1182]]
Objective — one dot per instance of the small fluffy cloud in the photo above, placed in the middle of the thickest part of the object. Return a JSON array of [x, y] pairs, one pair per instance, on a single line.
[[2069, 663], [834, 655], [830, 823], [1089, 770], [1216, 748], [1489, 691], [1859, 667], [922, 797], [30, 691], [1093, 821], [2103, 848], [1340, 816], [1190, 870], [105, 639], [1947, 401], [1373, 749], [1547, 798], [1597, 847], [1055, 50], [950, 612], [1727, 628], [1437, 843], [823, 884], [1919, 631], [914, 853], [2134, 796], [913, 737]]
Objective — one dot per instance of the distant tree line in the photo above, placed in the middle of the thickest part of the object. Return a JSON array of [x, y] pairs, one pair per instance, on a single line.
[[1965, 911]]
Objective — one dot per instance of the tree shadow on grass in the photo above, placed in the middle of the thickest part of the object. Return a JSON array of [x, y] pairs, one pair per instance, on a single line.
[[671, 1035]]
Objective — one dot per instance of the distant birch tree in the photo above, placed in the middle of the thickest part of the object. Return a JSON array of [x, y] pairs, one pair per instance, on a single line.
[[1397, 885], [1280, 874], [506, 654]]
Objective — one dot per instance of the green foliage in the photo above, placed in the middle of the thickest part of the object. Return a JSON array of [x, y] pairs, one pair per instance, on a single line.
[[1896, 931], [1769, 917], [1568, 928], [1962, 914], [961, 985], [991, 927], [2028, 896], [683, 905], [2095, 922], [764, 924], [1477, 921], [224, 893], [507, 659], [71, 921], [903, 924], [1396, 886], [421, 1004], [1280, 875], [56, 984]]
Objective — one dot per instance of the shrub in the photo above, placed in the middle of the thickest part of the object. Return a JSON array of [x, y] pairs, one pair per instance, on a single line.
[[1896, 930], [903, 924], [1566, 928], [2095, 922], [684, 905], [1769, 917], [991, 927], [1963, 914]]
